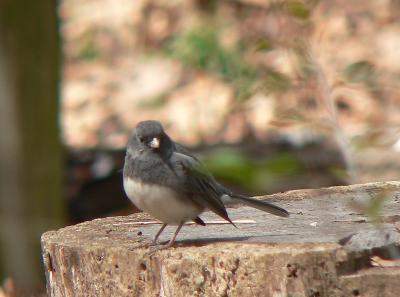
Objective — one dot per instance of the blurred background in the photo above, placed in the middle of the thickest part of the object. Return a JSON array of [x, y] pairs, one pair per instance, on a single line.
[[272, 95]]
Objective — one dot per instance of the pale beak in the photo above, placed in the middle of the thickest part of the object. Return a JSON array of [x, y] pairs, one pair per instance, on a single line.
[[155, 143]]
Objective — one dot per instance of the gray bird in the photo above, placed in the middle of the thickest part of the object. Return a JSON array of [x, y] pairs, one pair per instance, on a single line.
[[163, 179]]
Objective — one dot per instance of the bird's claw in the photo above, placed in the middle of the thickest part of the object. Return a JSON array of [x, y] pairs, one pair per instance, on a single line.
[[154, 247]]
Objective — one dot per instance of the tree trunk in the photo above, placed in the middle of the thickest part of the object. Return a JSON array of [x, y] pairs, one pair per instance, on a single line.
[[325, 248], [30, 151]]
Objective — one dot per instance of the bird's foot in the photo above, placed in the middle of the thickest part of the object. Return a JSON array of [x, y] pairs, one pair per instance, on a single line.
[[158, 247], [154, 243]]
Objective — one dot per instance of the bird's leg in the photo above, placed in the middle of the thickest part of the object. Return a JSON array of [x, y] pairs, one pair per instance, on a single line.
[[169, 244], [172, 241], [159, 233]]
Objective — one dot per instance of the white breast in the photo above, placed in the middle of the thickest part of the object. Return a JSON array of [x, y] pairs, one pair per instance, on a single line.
[[160, 202]]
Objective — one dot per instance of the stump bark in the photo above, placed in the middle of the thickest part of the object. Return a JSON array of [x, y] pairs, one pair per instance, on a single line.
[[328, 247]]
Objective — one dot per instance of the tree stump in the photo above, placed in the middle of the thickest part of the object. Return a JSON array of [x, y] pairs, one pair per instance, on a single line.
[[327, 247]]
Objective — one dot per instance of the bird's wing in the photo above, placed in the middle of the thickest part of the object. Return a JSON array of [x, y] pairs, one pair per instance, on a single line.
[[197, 183], [180, 149]]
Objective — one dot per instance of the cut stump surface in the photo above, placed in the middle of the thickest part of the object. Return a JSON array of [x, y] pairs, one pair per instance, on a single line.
[[325, 248]]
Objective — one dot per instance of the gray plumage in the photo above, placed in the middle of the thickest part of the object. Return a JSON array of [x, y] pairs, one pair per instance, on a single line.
[[162, 178]]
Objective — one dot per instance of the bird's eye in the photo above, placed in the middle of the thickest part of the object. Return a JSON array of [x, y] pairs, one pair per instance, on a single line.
[[141, 139]]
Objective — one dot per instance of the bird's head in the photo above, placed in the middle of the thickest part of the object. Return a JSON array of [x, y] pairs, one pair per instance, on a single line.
[[149, 136]]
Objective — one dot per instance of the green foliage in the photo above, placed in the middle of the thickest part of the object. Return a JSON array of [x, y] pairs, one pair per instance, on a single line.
[[298, 10], [373, 207], [361, 72], [201, 49], [264, 45], [253, 175], [339, 172], [275, 81], [88, 49], [230, 166], [156, 103]]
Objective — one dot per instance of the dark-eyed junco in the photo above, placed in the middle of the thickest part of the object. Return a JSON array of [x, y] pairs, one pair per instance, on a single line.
[[163, 179]]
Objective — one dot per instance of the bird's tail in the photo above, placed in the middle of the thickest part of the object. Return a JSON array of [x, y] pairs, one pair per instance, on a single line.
[[261, 205]]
